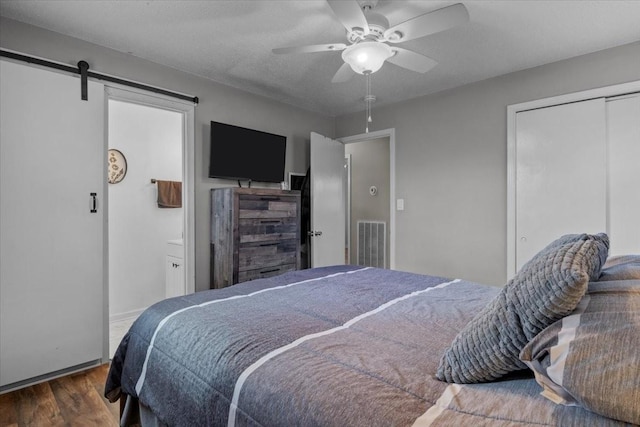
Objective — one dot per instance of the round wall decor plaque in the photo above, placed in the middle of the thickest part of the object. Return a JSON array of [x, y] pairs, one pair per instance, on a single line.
[[116, 166]]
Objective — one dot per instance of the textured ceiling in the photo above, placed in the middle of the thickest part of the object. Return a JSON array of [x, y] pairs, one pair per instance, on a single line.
[[230, 42]]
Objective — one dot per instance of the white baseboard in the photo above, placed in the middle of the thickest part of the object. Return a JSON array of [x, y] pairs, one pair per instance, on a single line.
[[126, 315]]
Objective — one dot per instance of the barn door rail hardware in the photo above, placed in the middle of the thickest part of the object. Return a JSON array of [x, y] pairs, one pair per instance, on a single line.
[[83, 70]]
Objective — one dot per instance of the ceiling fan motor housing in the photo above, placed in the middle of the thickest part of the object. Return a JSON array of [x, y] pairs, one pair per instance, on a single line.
[[370, 4], [377, 24]]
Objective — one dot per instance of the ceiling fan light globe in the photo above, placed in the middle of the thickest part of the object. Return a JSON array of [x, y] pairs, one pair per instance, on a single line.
[[366, 57]]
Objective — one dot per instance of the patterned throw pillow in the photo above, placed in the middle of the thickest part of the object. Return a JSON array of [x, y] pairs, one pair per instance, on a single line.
[[547, 288], [590, 358], [621, 267]]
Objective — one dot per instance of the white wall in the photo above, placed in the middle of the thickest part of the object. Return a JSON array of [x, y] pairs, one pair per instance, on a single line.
[[217, 102], [451, 161], [151, 141]]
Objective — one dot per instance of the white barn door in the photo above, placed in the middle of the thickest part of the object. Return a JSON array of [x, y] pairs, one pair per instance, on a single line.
[[51, 255]]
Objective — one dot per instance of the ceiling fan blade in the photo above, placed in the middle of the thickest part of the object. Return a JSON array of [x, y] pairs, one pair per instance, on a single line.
[[311, 48], [429, 23], [343, 74], [411, 60], [350, 14]]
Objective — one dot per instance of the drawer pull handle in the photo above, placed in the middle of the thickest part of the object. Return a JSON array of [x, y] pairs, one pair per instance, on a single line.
[[269, 271], [268, 244], [269, 221], [270, 198]]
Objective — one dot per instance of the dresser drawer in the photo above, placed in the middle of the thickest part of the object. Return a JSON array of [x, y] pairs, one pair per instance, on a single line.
[[256, 256], [267, 229], [266, 206], [244, 276]]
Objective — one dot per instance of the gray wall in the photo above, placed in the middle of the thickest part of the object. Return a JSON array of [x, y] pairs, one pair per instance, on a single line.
[[369, 166], [450, 147], [451, 161], [217, 102]]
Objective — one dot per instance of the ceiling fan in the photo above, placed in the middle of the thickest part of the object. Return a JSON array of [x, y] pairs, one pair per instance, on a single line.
[[371, 41]]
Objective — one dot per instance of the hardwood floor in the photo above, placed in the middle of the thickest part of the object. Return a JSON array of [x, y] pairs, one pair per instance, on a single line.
[[74, 400]]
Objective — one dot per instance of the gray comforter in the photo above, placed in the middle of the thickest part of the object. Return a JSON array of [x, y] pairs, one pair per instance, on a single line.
[[334, 346]]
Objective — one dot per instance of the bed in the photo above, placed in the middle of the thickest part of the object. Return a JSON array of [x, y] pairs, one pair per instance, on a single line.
[[359, 346]]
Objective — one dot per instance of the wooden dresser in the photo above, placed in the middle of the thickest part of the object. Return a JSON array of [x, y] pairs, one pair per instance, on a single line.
[[255, 233]]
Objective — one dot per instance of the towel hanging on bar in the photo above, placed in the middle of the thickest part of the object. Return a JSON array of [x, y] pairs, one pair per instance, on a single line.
[[169, 193]]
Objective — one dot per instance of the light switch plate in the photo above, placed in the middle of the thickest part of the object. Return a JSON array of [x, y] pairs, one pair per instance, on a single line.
[[399, 204]]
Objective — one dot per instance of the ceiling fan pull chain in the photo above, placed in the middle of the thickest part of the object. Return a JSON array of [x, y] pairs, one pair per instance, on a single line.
[[368, 99]]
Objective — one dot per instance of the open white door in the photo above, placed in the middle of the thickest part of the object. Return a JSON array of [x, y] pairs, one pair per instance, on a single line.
[[327, 235]]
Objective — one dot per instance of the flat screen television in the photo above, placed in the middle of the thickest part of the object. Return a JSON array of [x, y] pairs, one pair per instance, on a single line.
[[245, 154]]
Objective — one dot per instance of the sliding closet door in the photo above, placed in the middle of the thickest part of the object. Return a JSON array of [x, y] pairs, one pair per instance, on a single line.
[[51, 254], [560, 174], [623, 138]]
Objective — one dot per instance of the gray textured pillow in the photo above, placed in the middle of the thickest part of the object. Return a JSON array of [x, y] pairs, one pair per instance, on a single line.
[[621, 267], [547, 288], [591, 358]]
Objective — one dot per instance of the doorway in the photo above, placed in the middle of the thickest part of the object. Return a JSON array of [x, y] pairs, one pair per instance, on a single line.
[[146, 238], [367, 213], [327, 164], [389, 134]]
